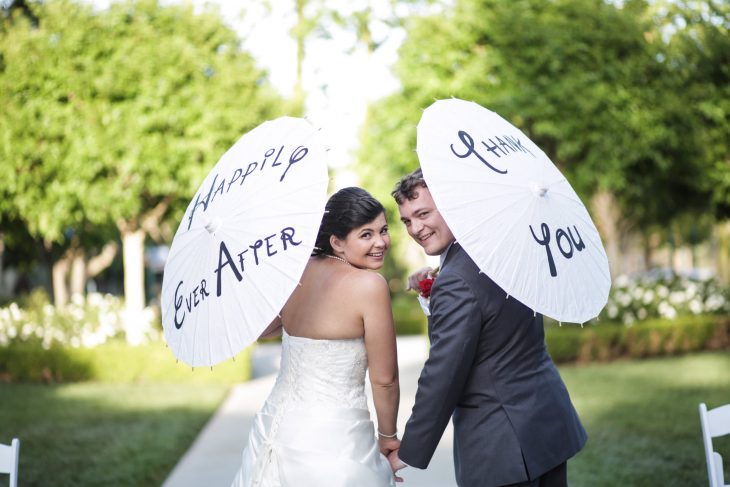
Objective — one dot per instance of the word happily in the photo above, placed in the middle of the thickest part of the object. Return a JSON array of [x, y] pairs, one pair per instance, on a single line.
[[186, 301], [567, 244], [238, 177], [495, 145]]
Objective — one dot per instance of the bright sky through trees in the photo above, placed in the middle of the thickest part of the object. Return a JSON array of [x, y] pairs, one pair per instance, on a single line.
[[339, 78]]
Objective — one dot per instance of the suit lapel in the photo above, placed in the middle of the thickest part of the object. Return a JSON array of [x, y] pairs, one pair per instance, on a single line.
[[453, 249]]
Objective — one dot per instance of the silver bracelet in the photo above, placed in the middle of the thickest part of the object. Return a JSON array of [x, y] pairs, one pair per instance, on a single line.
[[388, 436]]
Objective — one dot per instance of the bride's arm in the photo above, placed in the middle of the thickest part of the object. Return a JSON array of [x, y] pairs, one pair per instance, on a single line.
[[273, 330], [382, 357]]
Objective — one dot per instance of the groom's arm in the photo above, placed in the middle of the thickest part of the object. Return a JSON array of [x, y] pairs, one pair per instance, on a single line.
[[455, 326]]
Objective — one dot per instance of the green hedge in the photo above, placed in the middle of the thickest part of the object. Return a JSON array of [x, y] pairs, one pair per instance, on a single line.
[[115, 361], [609, 341]]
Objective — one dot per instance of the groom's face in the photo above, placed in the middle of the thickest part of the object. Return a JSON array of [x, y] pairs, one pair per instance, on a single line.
[[425, 224]]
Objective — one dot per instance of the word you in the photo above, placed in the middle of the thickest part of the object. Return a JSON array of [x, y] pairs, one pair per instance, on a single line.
[[239, 176], [497, 146], [565, 241], [260, 249]]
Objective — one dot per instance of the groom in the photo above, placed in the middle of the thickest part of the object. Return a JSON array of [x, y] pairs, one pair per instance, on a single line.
[[514, 423]]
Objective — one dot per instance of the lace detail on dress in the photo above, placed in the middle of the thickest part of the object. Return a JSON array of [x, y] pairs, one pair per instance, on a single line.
[[320, 372]]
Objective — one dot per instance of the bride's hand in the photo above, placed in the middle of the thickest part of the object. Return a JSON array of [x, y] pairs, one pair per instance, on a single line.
[[387, 445], [418, 276], [396, 464]]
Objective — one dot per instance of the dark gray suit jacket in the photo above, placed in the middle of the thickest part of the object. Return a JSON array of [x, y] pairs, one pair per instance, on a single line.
[[489, 368]]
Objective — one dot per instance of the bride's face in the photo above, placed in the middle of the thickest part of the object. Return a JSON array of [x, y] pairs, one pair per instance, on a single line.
[[365, 246]]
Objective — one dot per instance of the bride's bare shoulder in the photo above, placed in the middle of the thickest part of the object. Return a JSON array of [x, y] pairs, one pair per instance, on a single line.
[[346, 277], [367, 282]]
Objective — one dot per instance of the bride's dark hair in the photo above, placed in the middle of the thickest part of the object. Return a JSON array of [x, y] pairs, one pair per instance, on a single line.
[[346, 209]]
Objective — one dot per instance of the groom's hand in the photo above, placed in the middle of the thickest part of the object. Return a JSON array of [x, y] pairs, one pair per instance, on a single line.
[[396, 464], [418, 276]]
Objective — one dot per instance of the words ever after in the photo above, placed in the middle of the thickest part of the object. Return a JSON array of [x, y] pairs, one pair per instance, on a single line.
[[237, 262]]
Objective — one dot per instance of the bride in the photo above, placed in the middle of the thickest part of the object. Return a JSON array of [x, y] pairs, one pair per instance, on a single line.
[[315, 429]]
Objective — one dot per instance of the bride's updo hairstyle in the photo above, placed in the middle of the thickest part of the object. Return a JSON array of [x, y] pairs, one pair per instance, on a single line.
[[347, 209]]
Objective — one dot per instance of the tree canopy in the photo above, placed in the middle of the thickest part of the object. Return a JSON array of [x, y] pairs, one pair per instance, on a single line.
[[617, 100], [114, 116]]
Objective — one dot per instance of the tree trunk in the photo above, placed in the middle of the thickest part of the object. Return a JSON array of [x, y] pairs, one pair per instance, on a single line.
[[59, 272], [82, 269], [133, 235], [102, 260], [672, 248], [723, 252], [134, 295], [648, 251], [78, 273], [606, 214], [2, 275], [300, 36]]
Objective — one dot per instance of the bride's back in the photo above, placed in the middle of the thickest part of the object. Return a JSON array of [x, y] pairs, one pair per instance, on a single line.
[[326, 305]]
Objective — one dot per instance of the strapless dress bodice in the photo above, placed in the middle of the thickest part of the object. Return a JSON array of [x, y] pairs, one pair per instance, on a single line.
[[321, 372]]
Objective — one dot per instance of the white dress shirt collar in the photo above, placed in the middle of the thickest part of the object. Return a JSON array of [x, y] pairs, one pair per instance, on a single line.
[[443, 255]]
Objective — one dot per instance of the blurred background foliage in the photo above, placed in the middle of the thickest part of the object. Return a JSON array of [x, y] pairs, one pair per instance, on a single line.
[[112, 116]]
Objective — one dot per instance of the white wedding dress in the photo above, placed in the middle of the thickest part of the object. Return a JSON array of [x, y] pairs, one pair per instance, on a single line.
[[314, 429]]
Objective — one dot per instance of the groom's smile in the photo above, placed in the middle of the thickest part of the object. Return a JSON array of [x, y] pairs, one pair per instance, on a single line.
[[423, 238], [424, 223]]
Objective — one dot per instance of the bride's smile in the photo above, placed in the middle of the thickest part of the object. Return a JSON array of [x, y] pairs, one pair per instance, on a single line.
[[365, 246]]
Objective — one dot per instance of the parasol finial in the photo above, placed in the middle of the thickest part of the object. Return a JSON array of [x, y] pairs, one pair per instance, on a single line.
[[539, 189], [212, 224]]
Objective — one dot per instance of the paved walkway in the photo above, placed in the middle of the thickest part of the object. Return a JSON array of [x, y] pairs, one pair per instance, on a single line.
[[214, 457]]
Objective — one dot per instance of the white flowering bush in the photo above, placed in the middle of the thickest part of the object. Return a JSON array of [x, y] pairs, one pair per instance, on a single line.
[[85, 322], [664, 295]]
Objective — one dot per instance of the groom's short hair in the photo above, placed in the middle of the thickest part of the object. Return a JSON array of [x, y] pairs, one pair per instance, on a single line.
[[407, 187]]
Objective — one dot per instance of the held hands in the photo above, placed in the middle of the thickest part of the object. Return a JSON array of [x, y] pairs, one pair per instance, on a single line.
[[396, 464], [389, 448], [418, 276], [388, 445]]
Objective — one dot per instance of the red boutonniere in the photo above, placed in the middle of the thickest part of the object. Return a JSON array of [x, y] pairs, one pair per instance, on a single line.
[[425, 284], [424, 287], [424, 291]]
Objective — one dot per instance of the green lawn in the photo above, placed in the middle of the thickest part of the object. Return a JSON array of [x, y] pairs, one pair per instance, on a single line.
[[91, 434], [642, 420]]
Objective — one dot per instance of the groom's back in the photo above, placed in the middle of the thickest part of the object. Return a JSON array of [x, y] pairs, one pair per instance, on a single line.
[[514, 417]]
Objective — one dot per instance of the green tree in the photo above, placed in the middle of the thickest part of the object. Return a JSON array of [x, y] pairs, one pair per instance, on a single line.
[[698, 41], [591, 82], [701, 39], [44, 148], [115, 116]]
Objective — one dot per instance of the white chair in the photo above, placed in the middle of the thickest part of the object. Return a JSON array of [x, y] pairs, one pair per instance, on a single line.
[[9, 455], [715, 422]]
